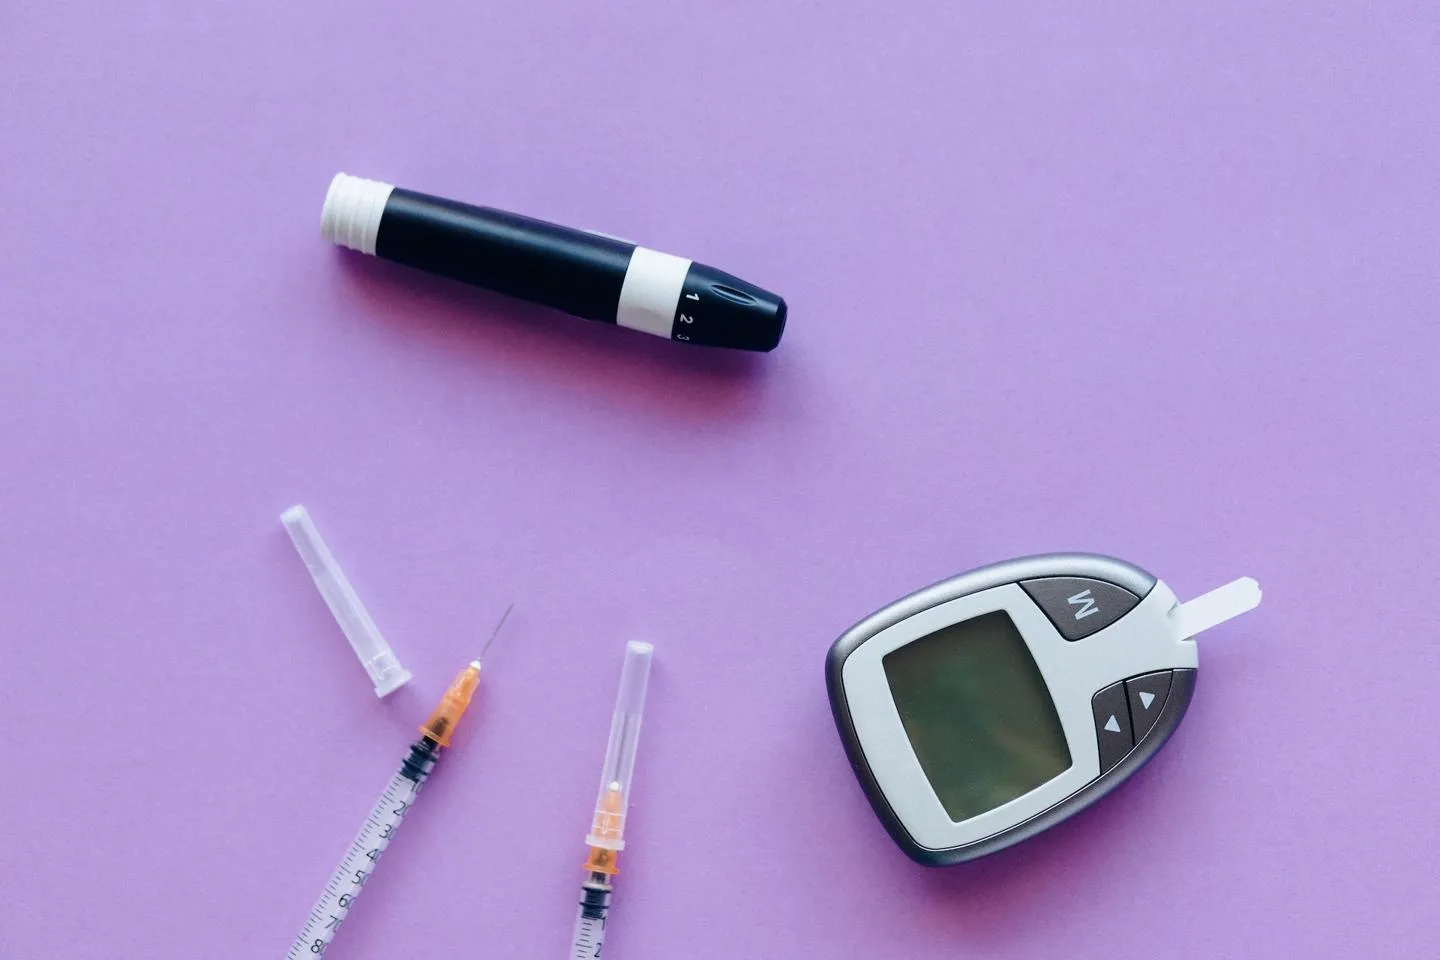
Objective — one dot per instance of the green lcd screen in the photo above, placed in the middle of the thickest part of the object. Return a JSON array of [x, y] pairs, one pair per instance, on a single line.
[[977, 713]]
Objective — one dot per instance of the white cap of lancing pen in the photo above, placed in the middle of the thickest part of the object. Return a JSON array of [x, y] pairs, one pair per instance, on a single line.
[[365, 638]]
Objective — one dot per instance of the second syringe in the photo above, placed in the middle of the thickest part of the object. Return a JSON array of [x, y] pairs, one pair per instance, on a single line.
[[607, 830]]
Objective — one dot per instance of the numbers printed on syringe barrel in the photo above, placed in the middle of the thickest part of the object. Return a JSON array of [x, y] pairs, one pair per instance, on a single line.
[[359, 862], [589, 936], [360, 859]]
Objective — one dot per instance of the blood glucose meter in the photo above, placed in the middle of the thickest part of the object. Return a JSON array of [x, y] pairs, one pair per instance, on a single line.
[[990, 706]]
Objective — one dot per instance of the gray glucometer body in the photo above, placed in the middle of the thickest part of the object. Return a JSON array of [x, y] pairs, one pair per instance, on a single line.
[[982, 710]]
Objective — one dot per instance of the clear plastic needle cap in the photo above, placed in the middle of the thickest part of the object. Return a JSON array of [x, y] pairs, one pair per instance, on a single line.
[[607, 831], [365, 638]]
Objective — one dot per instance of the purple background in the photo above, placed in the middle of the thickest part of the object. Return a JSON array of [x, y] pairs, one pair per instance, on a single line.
[[1152, 280]]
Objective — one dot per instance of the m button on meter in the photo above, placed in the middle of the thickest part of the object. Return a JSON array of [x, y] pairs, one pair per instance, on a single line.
[[1112, 724], [1079, 606]]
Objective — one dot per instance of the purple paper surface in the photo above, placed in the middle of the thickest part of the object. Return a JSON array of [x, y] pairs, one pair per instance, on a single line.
[[1156, 280]]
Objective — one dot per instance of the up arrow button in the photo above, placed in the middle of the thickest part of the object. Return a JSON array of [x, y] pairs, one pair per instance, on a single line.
[[1112, 725], [1147, 698]]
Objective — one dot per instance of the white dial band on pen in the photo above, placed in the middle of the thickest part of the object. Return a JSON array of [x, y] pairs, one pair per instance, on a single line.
[[651, 290]]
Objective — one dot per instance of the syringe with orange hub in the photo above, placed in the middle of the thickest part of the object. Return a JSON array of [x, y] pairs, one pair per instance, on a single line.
[[386, 816], [607, 830]]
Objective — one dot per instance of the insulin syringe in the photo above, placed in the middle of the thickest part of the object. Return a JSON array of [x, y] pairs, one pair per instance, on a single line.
[[607, 831], [362, 856]]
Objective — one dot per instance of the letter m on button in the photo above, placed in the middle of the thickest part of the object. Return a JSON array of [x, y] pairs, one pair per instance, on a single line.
[[1085, 602]]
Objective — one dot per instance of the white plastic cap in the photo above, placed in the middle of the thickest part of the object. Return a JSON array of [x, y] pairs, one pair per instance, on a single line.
[[353, 208], [365, 638]]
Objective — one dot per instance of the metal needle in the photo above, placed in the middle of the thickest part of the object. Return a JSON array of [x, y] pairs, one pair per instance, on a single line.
[[493, 634]]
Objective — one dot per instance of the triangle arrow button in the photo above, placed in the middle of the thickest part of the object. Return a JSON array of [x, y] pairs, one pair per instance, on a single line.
[[1112, 724], [1147, 695]]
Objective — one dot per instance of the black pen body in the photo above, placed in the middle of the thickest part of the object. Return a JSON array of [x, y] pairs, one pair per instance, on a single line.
[[585, 274]]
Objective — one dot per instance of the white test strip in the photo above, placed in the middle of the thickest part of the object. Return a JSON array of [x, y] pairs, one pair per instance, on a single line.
[[1214, 608], [365, 638]]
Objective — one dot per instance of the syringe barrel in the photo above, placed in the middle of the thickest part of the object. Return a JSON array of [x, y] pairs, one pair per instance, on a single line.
[[613, 799], [590, 921]]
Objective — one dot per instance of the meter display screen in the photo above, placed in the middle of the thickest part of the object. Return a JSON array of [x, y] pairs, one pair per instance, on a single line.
[[978, 714]]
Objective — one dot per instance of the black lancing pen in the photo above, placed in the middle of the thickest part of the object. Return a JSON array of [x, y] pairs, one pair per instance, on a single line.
[[586, 274]]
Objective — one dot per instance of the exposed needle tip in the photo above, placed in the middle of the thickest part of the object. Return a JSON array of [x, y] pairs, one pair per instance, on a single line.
[[493, 634]]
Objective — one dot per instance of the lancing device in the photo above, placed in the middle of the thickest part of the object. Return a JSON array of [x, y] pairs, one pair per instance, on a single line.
[[585, 274]]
